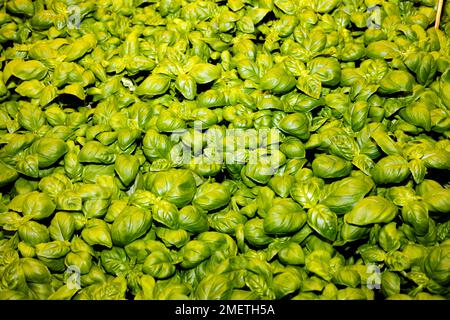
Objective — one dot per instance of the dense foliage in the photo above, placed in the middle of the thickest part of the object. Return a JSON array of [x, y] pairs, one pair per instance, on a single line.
[[240, 149]]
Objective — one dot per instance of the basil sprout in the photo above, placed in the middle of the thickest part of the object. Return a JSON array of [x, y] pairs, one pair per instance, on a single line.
[[132, 223], [373, 209], [436, 262], [158, 264], [343, 194], [323, 221], [390, 283], [175, 186], [391, 169], [292, 254], [62, 226], [255, 234], [211, 196], [330, 166], [38, 205], [154, 84], [285, 216], [96, 231], [193, 253], [33, 233]]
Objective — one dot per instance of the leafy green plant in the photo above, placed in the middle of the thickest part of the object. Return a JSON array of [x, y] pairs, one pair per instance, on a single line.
[[260, 149]]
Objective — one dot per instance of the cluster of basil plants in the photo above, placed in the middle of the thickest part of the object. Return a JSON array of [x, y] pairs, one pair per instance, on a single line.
[[119, 177]]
